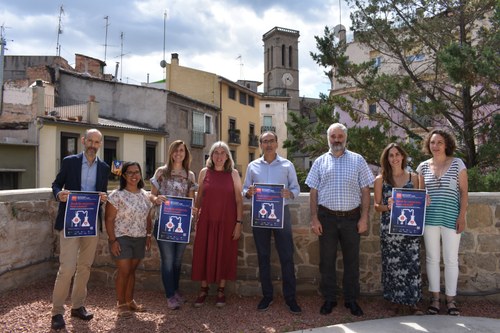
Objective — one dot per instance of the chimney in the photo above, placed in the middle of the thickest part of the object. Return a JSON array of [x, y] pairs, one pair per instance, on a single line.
[[175, 59]]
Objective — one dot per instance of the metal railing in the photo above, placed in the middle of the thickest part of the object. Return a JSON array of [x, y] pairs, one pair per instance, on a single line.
[[253, 140], [234, 136]]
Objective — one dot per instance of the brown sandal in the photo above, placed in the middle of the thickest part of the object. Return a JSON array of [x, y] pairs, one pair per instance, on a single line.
[[452, 307], [221, 298], [124, 311], [200, 300], [433, 310], [133, 306]]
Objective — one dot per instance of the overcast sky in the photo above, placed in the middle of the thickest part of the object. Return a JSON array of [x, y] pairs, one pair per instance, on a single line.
[[208, 35]]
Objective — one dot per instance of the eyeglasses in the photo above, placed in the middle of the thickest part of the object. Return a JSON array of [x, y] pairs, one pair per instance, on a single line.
[[265, 142], [132, 173]]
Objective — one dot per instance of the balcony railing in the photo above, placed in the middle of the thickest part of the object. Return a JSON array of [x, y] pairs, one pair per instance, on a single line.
[[267, 128], [253, 140], [234, 136], [197, 139]]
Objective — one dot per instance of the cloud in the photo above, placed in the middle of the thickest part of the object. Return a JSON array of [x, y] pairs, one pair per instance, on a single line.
[[207, 35]]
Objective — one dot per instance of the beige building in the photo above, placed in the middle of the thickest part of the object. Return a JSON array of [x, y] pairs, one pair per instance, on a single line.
[[239, 120]]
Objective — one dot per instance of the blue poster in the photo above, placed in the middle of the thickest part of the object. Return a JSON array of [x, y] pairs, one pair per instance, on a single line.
[[268, 206], [80, 218], [408, 212], [174, 224]]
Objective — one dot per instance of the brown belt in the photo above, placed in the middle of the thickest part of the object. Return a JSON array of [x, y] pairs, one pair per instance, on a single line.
[[342, 213]]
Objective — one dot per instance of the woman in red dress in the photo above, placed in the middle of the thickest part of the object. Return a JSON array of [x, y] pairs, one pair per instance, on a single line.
[[220, 209]]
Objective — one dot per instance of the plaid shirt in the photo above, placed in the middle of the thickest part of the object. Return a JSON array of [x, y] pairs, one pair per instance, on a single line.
[[339, 180]]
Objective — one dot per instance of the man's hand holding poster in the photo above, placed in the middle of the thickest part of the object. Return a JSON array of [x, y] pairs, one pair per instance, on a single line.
[[268, 206], [80, 219]]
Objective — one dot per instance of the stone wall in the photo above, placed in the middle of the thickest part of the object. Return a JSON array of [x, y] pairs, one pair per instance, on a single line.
[[28, 248]]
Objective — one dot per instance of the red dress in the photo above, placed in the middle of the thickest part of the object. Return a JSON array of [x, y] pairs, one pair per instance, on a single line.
[[215, 252]]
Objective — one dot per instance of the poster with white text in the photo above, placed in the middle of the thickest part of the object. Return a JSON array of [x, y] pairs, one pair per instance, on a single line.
[[408, 212]]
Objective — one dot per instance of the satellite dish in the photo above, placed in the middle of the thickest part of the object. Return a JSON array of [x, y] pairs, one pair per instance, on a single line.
[[163, 64], [338, 29]]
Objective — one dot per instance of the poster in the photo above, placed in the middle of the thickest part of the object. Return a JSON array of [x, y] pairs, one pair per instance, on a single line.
[[80, 217], [408, 212], [174, 224], [268, 206]]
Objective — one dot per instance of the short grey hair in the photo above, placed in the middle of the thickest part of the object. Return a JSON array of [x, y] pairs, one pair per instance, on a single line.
[[336, 125]]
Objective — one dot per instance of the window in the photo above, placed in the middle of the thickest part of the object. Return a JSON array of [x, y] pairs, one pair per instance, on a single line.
[[251, 129], [183, 119], [267, 124], [243, 98], [283, 55], [110, 155], [198, 137], [290, 53], [251, 157], [150, 158], [9, 180], [251, 100], [208, 124], [376, 58], [69, 144], [268, 121], [415, 58], [268, 59], [232, 93], [233, 154], [372, 108], [232, 124]]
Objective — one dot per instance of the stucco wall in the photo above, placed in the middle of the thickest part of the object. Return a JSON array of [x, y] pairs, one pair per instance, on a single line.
[[28, 248]]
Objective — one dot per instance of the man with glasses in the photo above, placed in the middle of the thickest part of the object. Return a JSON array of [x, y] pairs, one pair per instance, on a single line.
[[80, 172], [274, 169]]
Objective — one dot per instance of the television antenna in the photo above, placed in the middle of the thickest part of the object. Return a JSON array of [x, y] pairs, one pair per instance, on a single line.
[[59, 31], [163, 63]]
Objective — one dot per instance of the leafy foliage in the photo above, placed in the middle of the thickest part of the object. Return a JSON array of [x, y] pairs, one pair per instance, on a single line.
[[432, 63]]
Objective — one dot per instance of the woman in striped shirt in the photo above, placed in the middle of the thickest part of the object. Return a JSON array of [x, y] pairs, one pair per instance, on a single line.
[[445, 179]]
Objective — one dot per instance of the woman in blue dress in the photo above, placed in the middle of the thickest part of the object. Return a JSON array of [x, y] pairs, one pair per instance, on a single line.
[[401, 278]]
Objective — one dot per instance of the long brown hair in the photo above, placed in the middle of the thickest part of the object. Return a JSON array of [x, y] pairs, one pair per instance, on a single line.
[[186, 163], [386, 170]]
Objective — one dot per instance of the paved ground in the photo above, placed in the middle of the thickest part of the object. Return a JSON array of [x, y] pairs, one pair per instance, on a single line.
[[413, 324]]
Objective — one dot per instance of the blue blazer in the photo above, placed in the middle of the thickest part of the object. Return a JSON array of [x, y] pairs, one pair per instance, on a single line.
[[70, 178]]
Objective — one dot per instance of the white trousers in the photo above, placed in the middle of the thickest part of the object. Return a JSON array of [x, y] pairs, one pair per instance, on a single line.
[[433, 237]]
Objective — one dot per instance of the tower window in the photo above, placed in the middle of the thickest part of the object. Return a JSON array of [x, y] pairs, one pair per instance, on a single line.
[[283, 55], [290, 62]]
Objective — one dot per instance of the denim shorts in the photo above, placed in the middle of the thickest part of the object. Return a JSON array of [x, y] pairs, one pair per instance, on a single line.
[[131, 247]]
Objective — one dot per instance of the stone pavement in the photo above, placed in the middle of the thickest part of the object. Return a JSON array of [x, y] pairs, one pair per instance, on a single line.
[[415, 324]]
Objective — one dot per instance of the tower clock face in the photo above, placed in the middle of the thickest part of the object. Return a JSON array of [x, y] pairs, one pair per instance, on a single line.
[[287, 79]]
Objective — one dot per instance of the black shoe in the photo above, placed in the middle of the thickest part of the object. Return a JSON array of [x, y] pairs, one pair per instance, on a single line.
[[82, 313], [293, 307], [264, 303], [57, 322], [327, 307], [354, 307]]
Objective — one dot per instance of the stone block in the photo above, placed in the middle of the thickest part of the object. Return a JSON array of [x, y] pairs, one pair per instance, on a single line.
[[489, 243], [479, 216]]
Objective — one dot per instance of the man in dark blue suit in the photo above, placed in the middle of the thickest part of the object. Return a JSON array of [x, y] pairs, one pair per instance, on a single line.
[[81, 172]]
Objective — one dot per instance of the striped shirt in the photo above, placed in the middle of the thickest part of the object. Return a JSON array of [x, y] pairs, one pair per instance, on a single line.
[[444, 193], [339, 180]]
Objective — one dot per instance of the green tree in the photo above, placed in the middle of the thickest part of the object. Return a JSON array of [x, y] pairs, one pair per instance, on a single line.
[[434, 62], [308, 134]]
